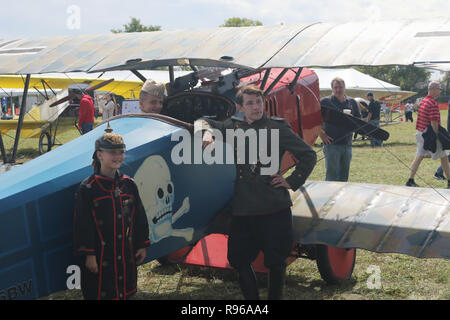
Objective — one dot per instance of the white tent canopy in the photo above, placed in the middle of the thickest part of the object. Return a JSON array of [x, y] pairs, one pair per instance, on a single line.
[[353, 80], [358, 84], [8, 92]]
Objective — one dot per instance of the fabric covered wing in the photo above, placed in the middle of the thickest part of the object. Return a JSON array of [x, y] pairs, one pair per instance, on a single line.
[[379, 218]]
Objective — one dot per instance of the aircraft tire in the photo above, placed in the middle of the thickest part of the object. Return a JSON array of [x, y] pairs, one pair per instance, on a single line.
[[45, 144], [335, 265]]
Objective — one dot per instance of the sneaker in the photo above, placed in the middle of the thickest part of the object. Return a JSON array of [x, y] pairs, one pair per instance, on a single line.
[[439, 176], [411, 183]]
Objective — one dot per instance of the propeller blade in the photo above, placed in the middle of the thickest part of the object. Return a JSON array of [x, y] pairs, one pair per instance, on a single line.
[[61, 100], [99, 85], [91, 88]]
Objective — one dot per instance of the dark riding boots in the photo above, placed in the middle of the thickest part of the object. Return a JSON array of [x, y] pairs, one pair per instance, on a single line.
[[277, 277], [249, 284]]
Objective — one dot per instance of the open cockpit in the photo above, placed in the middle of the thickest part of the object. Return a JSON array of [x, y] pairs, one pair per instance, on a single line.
[[191, 105]]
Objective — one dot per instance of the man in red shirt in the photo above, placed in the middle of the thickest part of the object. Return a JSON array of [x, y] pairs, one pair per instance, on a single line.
[[86, 111], [428, 113]]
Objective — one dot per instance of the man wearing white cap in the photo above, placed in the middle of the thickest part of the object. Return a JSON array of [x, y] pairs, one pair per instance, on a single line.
[[151, 97]]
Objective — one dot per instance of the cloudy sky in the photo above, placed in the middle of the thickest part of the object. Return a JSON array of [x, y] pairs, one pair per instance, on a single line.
[[46, 18]]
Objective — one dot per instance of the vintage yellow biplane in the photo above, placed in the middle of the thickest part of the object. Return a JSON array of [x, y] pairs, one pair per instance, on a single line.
[[43, 121], [331, 219]]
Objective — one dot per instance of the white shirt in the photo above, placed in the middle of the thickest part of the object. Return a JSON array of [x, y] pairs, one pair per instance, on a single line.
[[108, 110]]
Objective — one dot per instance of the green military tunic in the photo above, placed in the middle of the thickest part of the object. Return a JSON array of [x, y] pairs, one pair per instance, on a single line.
[[253, 193]]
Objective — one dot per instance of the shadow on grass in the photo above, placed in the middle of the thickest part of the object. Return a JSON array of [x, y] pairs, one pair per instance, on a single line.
[[196, 271], [223, 284]]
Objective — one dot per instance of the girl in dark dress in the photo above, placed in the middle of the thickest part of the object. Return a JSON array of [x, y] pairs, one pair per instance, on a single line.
[[111, 232]]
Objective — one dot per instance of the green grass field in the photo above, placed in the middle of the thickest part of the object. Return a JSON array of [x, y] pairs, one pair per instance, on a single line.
[[29, 148], [402, 277]]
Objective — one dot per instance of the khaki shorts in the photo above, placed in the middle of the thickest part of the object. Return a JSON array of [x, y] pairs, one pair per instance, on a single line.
[[421, 152]]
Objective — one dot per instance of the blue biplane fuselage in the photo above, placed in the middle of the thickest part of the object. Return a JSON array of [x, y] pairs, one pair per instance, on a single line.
[[37, 201]]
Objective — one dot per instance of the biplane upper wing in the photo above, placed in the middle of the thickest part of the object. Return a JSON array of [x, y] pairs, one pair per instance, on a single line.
[[399, 42], [248, 47], [379, 218], [403, 42]]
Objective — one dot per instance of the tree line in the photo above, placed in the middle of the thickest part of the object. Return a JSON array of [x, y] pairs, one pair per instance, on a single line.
[[135, 25]]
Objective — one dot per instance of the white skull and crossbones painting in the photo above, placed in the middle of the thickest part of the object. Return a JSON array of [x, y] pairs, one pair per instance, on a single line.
[[157, 192]]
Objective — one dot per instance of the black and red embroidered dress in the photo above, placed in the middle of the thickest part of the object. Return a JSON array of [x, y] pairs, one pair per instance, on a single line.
[[110, 223]]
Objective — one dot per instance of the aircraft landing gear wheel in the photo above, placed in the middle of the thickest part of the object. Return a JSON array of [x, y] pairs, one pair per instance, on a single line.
[[45, 144], [335, 265]]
